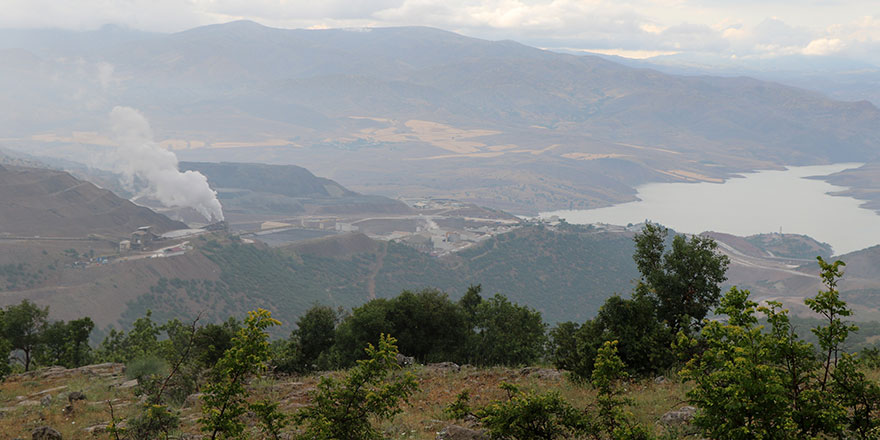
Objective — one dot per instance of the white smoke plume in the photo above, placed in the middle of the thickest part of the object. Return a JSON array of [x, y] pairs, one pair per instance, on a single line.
[[140, 159]]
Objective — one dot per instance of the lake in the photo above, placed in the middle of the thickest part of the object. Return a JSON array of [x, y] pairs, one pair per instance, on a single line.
[[760, 202]]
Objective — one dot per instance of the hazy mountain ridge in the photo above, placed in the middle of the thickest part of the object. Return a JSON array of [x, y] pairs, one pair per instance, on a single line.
[[248, 188], [42, 202], [437, 107]]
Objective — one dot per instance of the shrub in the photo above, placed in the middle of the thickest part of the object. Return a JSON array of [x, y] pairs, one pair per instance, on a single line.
[[781, 388], [225, 396], [527, 416], [145, 366], [343, 409]]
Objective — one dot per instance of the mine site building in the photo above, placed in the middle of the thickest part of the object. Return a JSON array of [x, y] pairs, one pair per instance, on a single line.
[[143, 237]]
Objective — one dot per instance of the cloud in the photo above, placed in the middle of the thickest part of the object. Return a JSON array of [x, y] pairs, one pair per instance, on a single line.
[[750, 28], [823, 46]]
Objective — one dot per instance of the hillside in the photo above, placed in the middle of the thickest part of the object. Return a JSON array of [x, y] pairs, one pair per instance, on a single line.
[[47, 203], [252, 189], [566, 276], [498, 124]]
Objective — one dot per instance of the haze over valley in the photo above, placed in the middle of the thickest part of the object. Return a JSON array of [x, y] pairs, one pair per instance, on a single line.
[[428, 220], [424, 138]]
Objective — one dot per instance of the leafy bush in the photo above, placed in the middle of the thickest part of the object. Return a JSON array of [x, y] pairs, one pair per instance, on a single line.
[[461, 408], [508, 333], [527, 416], [782, 389], [146, 366], [225, 395], [346, 408]]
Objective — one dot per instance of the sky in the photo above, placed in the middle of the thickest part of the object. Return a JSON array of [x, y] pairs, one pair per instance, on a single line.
[[731, 29]]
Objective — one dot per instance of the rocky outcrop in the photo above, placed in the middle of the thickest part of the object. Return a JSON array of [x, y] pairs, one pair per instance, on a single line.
[[75, 395], [108, 369], [542, 373], [681, 416], [45, 433]]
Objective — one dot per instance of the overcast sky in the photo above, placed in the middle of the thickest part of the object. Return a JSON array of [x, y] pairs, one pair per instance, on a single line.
[[636, 28]]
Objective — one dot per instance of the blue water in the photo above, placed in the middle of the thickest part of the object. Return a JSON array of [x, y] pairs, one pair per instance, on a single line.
[[760, 202]]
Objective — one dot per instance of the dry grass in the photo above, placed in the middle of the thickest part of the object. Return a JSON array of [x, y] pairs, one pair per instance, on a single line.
[[421, 419]]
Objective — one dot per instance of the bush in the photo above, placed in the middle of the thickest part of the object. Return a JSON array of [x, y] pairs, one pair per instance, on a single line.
[[146, 366], [782, 389], [508, 333], [428, 327], [308, 348], [371, 391], [225, 398], [527, 416]]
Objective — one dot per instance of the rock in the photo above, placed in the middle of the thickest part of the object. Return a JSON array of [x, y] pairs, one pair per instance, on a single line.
[[455, 432], [51, 390], [45, 433], [405, 361], [56, 372], [446, 367], [98, 429], [128, 384], [680, 416], [75, 395], [46, 400], [660, 380], [542, 373]]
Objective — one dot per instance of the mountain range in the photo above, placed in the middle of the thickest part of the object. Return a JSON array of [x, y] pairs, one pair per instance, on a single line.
[[419, 111]]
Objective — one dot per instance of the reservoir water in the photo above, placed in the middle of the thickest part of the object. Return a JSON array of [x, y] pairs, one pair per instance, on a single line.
[[760, 202]]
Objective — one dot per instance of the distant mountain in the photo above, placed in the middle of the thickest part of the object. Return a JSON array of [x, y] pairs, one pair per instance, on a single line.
[[839, 78], [49, 203], [248, 188], [418, 111]]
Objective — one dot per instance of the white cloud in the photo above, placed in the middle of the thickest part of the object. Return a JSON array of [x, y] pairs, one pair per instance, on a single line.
[[746, 28], [823, 46]]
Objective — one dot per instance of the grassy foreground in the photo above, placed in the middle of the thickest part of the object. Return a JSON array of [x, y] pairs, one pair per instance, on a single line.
[[21, 409]]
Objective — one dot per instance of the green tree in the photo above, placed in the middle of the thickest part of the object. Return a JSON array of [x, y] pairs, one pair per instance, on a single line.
[[212, 341], [309, 345], [363, 326], [430, 327], [606, 377], [829, 305], [684, 281], [508, 334], [782, 389], [469, 303], [156, 419], [644, 343], [23, 325], [344, 409], [66, 343], [737, 366], [5, 352], [141, 341], [224, 399]]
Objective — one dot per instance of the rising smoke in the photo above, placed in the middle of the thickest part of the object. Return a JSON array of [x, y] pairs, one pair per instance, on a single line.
[[141, 160]]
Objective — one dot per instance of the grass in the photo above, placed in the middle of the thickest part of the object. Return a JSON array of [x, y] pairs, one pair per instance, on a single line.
[[421, 418]]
